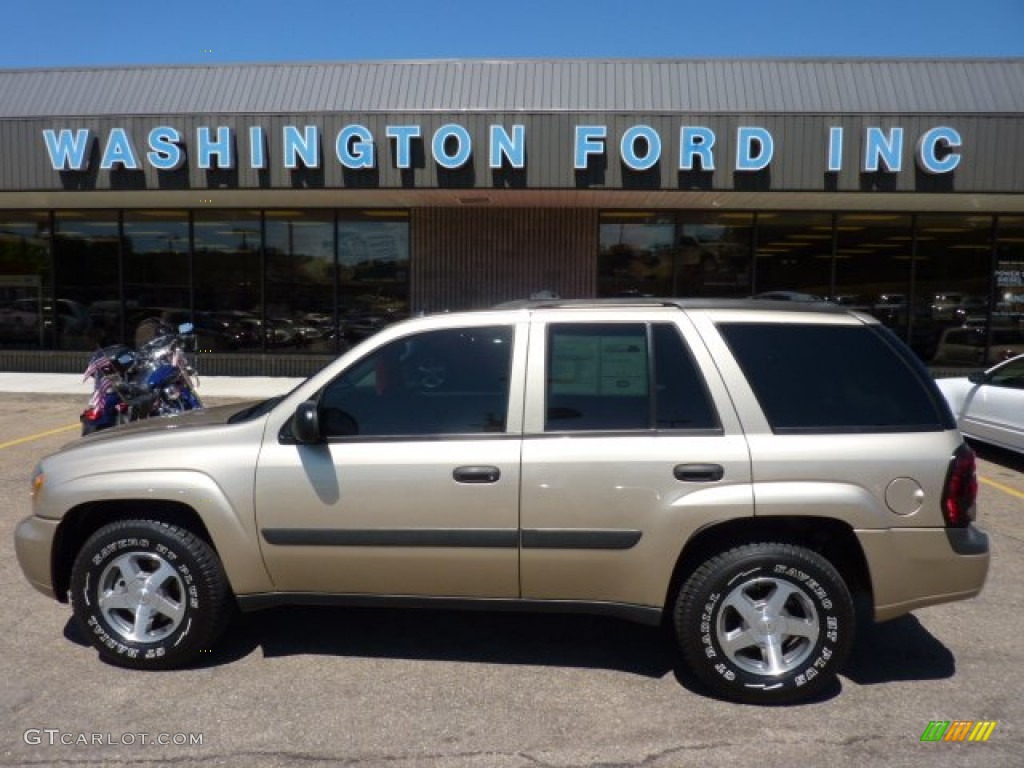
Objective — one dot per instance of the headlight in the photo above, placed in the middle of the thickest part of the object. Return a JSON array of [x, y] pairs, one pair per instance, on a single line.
[[38, 478]]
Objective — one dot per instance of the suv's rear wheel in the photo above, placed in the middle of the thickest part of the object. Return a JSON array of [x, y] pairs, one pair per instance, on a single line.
[[765, 623], [149, 595]]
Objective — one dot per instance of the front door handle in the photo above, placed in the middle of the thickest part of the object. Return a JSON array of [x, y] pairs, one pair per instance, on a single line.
[[699, 473], [476, 474]]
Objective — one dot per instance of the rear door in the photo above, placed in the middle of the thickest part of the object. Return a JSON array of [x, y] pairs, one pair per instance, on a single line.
[[628, 448]]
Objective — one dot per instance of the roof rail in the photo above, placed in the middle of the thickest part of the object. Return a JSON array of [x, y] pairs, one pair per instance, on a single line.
[[653, 301]]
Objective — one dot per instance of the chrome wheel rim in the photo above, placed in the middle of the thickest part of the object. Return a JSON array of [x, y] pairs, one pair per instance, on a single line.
[[767, 626], [141, 597]]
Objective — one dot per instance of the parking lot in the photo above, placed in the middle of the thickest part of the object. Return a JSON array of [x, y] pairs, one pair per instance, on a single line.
[[376, 687]]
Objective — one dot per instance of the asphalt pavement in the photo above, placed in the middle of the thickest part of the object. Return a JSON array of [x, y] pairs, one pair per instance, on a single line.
[[369, 687]]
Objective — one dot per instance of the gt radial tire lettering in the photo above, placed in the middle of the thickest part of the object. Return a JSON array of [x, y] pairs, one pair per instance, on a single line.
[[198, 585], [704, 621]]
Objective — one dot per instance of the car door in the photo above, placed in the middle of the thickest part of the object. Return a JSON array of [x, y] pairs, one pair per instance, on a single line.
[[993, 411], [625, 455], [415, 489]]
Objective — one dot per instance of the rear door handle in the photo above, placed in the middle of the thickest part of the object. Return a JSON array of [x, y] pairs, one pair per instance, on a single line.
[[699, 473], [476, 474]]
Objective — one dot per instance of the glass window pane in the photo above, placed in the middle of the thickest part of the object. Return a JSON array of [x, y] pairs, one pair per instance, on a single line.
[[300, 281], [25, 279], [227, 280], [597, 377], [452, 381], [952, 267], [1009, 306], [681, 398], [156, 271], [873, 275], [794, 255], [636, 255], [714, 255], [87, 307], [373, 261], [831, 378]]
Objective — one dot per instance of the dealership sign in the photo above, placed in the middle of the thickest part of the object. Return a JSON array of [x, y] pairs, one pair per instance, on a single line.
[[451, 146]]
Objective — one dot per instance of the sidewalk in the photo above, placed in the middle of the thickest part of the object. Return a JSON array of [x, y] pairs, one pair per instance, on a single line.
[[254, 387]]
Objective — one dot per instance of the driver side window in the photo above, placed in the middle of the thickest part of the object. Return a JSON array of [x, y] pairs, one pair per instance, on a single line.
[[446, 382]]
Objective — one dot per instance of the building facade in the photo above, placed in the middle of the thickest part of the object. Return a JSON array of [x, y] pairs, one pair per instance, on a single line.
[[290, 209]]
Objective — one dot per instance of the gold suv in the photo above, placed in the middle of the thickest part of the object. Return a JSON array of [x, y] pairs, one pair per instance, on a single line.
[[740, 470]]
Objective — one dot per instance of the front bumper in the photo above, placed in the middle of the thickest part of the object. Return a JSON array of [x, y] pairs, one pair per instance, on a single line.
[[33, 543], [912, 568]]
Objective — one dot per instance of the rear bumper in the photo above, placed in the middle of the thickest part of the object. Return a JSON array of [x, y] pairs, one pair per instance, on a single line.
[[914, 568], [33, 543]]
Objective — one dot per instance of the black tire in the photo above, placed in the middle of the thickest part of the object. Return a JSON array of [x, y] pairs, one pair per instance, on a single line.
[[796, 635], [149, 595]]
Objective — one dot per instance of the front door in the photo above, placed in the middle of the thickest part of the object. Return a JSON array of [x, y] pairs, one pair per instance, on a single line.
[[415, 490]]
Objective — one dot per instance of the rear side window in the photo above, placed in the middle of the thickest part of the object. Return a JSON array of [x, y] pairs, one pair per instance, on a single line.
[[623, 376], [833, 378]]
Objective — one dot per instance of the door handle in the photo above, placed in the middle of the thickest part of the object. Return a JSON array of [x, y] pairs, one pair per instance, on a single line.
[[476, 474], [699, 473]]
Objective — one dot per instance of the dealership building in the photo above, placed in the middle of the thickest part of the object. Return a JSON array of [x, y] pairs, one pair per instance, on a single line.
[[291, 209]]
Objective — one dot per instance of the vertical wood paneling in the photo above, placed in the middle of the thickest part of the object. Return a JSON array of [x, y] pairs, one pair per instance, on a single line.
[[471, 258]]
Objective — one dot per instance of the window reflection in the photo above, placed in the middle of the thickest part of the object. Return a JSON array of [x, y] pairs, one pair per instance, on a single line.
[[1009, 306], [643, 254], [794, 255], [636, 257], [300, 282], [156, 269], [873, 275], [373, 263], [87, 309], [952, 274], [25, 278], [227, 283], [714, 255]]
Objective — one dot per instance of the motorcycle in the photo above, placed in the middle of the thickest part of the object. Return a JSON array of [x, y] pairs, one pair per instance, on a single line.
[[155, 380]]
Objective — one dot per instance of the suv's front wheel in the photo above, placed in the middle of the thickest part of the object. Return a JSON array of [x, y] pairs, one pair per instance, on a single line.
[[765, 623], [149, 595]]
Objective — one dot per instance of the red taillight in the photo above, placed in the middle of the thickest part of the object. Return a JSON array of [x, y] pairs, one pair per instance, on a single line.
[[91, 414], [961, 489]]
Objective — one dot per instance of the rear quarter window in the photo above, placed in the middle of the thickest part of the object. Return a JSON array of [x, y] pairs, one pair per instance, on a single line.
[[835, 378]]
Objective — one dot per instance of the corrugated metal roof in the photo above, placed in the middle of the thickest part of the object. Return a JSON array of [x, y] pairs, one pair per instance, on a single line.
[[895, 86]]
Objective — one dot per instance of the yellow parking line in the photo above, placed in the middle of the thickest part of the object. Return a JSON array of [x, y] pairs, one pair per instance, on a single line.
[[38, 435], [986, 481]]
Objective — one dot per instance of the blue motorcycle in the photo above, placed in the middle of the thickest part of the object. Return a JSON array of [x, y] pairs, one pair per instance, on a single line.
[[155, 380]]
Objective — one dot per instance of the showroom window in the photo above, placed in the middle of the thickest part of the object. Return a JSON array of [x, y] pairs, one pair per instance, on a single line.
[[86, 254], [157, 274], [373, 271], [300, 281], [25, 279], [794, 255], [1009, 277], [693, 254], [228, 284]]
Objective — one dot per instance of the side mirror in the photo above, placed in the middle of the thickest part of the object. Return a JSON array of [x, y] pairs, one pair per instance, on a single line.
[[306, 423], [978, 377]]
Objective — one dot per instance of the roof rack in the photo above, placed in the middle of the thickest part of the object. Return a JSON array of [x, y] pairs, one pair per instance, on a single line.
[[653, 301]]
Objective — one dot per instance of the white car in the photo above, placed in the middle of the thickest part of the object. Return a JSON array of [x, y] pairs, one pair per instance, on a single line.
[[989, 405]]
